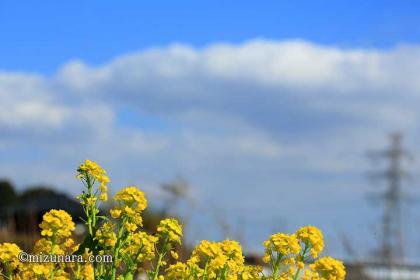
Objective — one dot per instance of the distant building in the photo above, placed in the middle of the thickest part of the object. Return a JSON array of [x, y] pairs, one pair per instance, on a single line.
[[378, 271]]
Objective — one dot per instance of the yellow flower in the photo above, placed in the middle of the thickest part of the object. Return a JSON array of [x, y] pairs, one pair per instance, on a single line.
[[251, 272], [93, 169], [86, 272], [140, 252], [170, 228], [45, 246], [177, 271], [58, 223], [103, 179], [132, 197], [140, 247], [115, 213], [312, 237], [106, 235], [103, 197], [174, 255], [69, 243], [205, 250], [218, 257], [9, 255], [129, 211], [90, 201], [300, 265], [103, 187], [233, 251], [40, 269], [281, 245], [36, 271], [131, 227], [90, 171], [131, 202], [329, 269]]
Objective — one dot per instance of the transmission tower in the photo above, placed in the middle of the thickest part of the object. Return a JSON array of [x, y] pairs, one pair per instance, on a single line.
[[392, 247]]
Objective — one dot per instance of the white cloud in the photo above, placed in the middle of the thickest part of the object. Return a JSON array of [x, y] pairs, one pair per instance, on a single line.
[[264, 118]]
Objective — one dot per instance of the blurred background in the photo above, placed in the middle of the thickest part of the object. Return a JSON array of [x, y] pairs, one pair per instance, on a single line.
[[242, 118]]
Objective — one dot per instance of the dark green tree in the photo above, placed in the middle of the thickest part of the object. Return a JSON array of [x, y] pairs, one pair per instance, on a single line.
[[8, 194]]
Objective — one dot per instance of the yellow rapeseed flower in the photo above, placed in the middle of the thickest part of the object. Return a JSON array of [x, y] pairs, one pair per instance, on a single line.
[[218, 257], [176, 271], [140, 247], [92, 171], [312, 237], [106, 235], [289, 257], [251, 272], [281, 245], [58, 223], [233, 251], [170, 228], [329, 269], [9, 255], [115, 213], [132, 197]]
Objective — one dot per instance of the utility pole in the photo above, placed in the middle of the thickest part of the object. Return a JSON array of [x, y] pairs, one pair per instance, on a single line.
[[392, 247]]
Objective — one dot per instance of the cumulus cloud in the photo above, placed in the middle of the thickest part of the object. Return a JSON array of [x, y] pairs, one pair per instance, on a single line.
[[270, 120]]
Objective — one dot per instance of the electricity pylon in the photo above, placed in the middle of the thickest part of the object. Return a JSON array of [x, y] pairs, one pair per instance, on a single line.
[[392, 247]]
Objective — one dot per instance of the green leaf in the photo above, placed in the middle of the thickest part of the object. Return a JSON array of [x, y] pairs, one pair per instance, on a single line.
[[89, 243], [128, 276]]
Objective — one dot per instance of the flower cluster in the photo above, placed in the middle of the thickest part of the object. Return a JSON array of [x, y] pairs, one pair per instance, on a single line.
[[216, 259], [224, 260], [280, 252], [281, 246], [9, 257], [288, 256], [171, 229], [155, 255], [90, 172], [56, 228], [251, 272], [140, 247], [106, 235], [57, 223], [208, 255], [131, 203], [328, 268], [312, 237]]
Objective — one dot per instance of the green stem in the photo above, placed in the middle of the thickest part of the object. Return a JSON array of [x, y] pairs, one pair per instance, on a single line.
[[117, 249], [132, 267], [77, 272], [297, 274], [90, 225], [162, 253], [91, 216], [302, 257], [224, 273], [205, 270], [276, 267], [53, 244], [90, 208], [159, 262]]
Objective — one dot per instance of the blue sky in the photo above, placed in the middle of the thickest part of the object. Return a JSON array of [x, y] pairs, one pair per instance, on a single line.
[[277, 102], [40, 38]]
